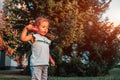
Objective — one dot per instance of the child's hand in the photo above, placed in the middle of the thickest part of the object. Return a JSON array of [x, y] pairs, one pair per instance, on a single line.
[[52, 63], [29, 27]]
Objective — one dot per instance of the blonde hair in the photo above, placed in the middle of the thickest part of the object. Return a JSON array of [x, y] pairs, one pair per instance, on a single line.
[[39, 20]]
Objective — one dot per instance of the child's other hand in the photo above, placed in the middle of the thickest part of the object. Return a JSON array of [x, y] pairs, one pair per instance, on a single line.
[[52, 63]]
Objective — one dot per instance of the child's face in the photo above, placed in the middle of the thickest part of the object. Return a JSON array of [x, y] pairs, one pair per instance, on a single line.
[[43, 28]]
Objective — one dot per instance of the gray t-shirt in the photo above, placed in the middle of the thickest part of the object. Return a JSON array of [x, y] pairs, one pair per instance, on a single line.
[[40, 50]]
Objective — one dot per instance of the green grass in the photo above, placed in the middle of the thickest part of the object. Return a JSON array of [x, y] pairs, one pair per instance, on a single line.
[[114, 72], [69, 78], [113, 75], [84, 78]]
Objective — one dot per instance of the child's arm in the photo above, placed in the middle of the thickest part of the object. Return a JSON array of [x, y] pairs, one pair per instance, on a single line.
[[24, 36], [51, 61]]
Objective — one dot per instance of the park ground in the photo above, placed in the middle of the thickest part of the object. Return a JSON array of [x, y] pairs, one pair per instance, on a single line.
[[114, 74]]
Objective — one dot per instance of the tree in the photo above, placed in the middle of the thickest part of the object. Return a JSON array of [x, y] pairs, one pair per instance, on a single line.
[[21, 12], [71, 21], [101, 41]]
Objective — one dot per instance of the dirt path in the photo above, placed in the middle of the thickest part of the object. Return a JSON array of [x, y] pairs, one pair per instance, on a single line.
[[12, 74]]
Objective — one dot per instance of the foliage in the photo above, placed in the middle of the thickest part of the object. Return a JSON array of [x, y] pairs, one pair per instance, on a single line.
[[8, 42], [71, 21], [104, 44]]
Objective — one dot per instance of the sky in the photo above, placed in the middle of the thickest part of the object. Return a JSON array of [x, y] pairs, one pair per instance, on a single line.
[[113, 13], [1, 3]]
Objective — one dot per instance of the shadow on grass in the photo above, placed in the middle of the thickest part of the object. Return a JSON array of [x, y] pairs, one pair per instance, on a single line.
[[16, 75]]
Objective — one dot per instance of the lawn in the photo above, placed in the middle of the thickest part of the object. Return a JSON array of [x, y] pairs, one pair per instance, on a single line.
[[69, 78], [114, 75]]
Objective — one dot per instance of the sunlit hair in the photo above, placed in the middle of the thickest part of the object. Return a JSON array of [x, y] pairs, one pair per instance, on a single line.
[[39, 20]]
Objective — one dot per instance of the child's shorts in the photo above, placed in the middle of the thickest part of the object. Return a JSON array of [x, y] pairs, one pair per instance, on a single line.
[[39, 72]]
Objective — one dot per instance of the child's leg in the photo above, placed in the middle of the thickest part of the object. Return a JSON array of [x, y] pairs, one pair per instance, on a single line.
[[36, 73], [44, 75]]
